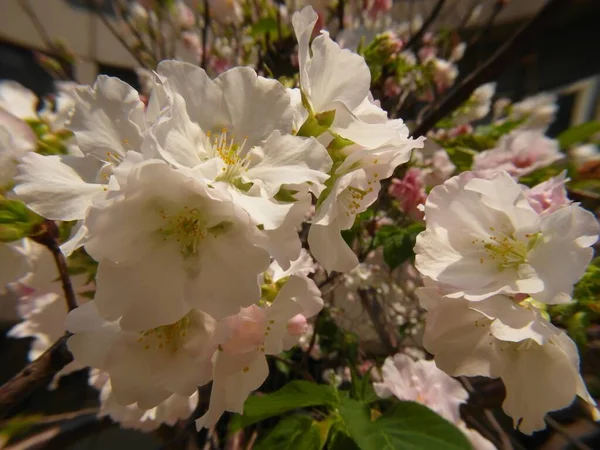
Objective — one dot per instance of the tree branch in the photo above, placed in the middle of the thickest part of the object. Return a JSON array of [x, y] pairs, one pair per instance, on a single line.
[[41, 371], [387, 335], [490, 69], [205, 27], [47, 235], [35, 375], [435, 12]]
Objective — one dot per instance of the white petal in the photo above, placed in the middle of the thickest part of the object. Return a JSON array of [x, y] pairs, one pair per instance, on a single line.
[[287, 159], [53, 189], [193, 84], [108, 118], [17, 100], [329, 248], [336, 75], [245, 93]]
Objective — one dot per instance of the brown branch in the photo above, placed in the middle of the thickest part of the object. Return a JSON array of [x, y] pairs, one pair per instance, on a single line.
[[576, 443], [491, 68], [117, 35], [34, 376], [121, 11], [205, 27], [386, 334], [414, 40], [41, 371], [65, 67], [47, 235]]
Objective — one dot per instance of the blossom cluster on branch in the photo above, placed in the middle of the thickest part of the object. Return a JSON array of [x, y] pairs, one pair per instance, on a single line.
[[258, 209]]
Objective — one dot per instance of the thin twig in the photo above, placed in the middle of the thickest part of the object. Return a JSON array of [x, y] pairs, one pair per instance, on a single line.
[[205, 27], [39, 27], [490, 69], [47, 235], [369, 302], [498, 6], [120, 9], [564, 433], [502, 435], [118, 36], [414, 40]]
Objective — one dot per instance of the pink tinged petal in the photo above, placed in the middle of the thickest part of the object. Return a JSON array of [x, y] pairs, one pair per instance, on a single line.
[[297, 325], [53, 189], [564, 251]]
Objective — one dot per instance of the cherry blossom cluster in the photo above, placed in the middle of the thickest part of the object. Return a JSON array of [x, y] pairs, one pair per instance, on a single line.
[[494, 255], [190, 206]]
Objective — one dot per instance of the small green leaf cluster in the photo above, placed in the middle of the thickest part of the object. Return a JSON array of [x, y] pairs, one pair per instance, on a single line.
[[315, 416]]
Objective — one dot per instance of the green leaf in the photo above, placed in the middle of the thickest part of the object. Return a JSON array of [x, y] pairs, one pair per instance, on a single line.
[[577, 328], [398, 243], [294, 395], [297, 432], [263, 26], [16, 220], [578, 133], [461, 157], [407, 426]]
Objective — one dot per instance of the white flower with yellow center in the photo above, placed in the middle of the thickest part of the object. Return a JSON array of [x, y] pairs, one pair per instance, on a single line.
[[246, 137], [501, 337], [167, 242], [484, 238], [149, 366]]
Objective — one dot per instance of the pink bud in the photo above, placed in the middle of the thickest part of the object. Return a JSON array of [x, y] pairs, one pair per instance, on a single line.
[[297, 325]]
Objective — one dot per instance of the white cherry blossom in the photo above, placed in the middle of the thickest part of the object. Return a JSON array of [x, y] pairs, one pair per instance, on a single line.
[[167, 242], [483, 238], [148, 366], [500, 337]]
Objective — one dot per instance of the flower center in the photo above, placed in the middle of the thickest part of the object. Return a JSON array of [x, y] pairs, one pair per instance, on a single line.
[[169, 337], [187, 227], [351, 198], [506, 250], [230, 153]]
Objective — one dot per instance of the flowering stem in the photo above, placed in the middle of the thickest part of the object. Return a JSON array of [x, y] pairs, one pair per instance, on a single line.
[[47, 236]]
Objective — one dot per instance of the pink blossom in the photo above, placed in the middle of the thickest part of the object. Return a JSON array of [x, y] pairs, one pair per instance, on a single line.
[[391, 88], [550, 195], [376, 7], [438, 169], [518, 153], [245, 331], [297, 325], [410, 192]]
